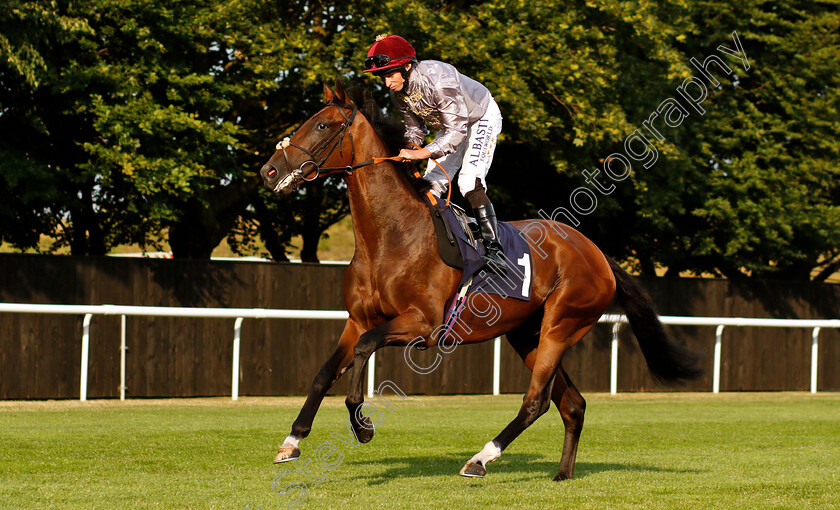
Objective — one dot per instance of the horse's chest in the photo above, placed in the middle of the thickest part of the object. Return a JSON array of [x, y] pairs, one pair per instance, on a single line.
[[380, 301], [383, 303]]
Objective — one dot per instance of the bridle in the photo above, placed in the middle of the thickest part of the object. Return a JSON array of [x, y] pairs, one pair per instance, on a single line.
[[337, 140], [296, 176]]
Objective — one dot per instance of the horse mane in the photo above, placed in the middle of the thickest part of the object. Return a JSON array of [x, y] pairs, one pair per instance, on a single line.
[[392, 132]]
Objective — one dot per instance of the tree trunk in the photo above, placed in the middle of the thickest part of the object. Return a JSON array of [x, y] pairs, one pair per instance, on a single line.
[[87, 236], [268, 231], [312, 229], [647, 266], [204, 224], [828, 271], [196, 234], [309, 251]]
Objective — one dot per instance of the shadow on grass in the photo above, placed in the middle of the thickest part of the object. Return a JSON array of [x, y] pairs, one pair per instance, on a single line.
[[510, 463]]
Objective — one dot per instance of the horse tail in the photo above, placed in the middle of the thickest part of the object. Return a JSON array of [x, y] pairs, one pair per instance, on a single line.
[[667, 361]]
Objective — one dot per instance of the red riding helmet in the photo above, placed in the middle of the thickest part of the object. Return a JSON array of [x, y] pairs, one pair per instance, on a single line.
[[388, 52]]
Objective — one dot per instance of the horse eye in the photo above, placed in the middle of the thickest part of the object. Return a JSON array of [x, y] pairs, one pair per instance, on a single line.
[[322, 126]]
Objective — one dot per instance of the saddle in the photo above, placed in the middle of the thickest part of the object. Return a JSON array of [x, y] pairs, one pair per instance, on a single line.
[[460, 246], [448, 247]]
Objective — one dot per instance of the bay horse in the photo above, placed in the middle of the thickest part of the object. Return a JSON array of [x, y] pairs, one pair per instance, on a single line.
[[396, 288]]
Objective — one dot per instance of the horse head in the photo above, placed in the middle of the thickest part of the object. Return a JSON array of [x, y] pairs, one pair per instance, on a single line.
[[315, 147]]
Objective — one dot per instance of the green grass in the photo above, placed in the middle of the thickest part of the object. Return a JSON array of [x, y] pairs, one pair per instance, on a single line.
[[758, 450], [337, 243]]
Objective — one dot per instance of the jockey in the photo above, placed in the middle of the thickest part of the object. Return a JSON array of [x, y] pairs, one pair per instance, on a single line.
[[467, 120]]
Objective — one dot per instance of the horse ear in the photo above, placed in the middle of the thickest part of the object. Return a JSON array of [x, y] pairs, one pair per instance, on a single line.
[[341, 95], [329, 95]]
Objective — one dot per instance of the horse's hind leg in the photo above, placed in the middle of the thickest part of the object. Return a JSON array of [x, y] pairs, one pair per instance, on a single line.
[[564, 394], [557, 335], [572, 407]]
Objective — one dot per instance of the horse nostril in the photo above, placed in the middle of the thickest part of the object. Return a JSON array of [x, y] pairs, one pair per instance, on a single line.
[[268, 172]]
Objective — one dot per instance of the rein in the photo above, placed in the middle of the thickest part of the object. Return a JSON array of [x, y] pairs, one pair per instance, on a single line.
[[298, 175]]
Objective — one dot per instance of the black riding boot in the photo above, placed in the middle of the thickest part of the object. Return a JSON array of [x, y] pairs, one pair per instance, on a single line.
[[486, 217]]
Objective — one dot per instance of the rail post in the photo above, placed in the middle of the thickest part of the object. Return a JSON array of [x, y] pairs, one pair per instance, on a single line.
[[497, 365], [123, 348], [815, 351], [234, 376], [371, 374], [83, 373], [614, 358], [716, 374]]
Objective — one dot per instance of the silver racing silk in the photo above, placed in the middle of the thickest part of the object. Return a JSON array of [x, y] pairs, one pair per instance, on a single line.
[[437, 95]]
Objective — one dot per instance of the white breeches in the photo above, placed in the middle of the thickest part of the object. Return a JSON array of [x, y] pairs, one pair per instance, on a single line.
[[473, 157]]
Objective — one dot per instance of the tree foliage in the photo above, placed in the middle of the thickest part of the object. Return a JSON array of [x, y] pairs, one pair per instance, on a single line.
[[125, 119], [746, 188], [771, 145], [144, 117]]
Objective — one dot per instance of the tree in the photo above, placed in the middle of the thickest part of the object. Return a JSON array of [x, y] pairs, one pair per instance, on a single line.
[[33, 180], [158, 115], [769, 144], [572, 80], [744, 189]]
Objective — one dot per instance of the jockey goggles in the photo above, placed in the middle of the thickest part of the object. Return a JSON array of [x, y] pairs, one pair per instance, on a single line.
[[380, 60]]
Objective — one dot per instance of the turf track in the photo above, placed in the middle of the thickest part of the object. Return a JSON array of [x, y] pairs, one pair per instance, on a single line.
[[669, 450]]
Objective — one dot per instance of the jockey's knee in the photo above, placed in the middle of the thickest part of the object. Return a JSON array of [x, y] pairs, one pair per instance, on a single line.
[[476, 195], [438, 186]]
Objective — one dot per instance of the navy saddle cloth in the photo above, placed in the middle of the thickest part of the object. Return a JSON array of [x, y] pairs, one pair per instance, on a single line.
[[451, 235]]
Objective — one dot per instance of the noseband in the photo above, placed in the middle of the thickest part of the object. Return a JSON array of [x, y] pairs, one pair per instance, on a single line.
[[297, 176], [336, 140]]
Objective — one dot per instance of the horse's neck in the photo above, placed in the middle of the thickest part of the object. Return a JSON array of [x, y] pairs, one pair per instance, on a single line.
[[387, 212]]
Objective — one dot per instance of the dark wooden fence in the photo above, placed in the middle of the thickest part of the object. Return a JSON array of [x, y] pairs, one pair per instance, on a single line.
[[39, 354]]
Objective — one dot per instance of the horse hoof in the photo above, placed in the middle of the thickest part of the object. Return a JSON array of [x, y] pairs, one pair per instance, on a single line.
[[561, 477], [473, 470], [364, 435], [286, 453], [364, 430]]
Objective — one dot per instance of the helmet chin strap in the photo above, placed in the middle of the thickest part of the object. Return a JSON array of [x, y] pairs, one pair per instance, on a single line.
[[406, 72]]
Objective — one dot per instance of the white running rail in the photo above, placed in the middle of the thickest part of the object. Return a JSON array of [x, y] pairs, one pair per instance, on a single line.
[[162, 311], [88, 311], [721, 323]]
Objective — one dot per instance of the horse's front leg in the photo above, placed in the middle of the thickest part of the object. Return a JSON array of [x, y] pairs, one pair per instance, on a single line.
[[335, 366], [399, 331]]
